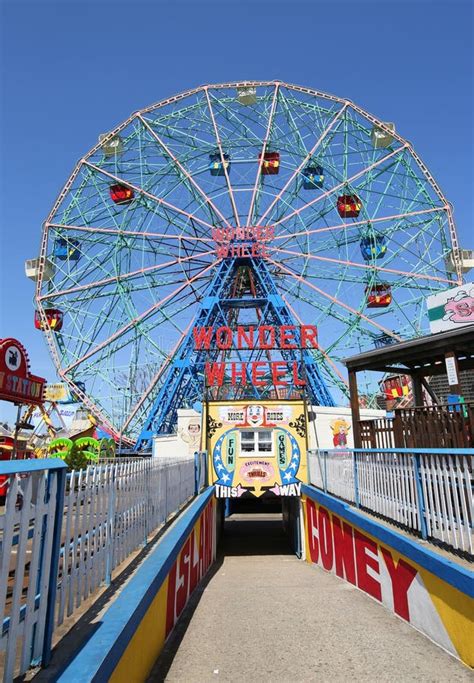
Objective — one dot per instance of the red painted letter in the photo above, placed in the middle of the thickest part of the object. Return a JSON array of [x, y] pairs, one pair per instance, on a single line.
[[297, 381], [402, 577], [182, 590], [243, 336], [257, 374], [343, 549], [194, 573], [223, 337], [287, 337], [364, 581], [262, 337], [278, 370], [170, 617], [311, 516], [309, 333], [202, 337], [325, 538], [238, 374]]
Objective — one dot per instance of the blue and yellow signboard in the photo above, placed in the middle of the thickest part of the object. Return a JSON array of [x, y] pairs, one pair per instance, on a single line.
[[257, 449]]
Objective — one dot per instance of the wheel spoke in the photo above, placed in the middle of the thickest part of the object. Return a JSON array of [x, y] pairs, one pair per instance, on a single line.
[[143, 192], [138, 319], [262, 153]]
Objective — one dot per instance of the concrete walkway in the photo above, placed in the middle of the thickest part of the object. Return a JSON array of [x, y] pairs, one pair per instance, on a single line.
[[264, 615]]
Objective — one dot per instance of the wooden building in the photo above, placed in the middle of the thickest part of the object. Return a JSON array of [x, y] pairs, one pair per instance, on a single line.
[[427, 424]]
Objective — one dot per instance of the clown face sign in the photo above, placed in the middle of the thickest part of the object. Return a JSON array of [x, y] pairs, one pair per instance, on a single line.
[[257, 449]]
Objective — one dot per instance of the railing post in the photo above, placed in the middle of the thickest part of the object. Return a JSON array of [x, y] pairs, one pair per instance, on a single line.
[[325, 479], [206, 469], [356, 479], [111, 529], [53, 570], [419, 495], [197, 472], [146, 473]]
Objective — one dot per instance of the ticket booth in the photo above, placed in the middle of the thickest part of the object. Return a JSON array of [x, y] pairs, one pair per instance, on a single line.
[[256, 449]]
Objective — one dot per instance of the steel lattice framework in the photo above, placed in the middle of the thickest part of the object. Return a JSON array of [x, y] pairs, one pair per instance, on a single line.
[[139, 274]]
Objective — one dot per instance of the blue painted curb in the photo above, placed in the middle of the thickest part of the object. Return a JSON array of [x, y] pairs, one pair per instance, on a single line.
[[99, 656]]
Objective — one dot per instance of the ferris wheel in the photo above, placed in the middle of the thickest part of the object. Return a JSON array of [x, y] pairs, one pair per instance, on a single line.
[[359, 234]]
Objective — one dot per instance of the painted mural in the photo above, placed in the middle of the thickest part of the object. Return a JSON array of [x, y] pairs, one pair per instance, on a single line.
[[189, 431], [340, 429], [133, 629], [257, 449], [424, 599], [452, 308]]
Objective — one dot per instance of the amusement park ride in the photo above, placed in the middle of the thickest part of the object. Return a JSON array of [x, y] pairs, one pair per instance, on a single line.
[[234, 243]]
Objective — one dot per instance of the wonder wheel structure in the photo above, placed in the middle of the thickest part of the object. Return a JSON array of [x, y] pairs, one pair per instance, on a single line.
[[144, 243]]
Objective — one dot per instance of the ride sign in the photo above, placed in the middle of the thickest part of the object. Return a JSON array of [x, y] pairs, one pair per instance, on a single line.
[[17, 384]]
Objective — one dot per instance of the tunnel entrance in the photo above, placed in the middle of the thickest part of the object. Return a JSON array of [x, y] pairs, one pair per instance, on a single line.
[[254, 533], [261, 527]]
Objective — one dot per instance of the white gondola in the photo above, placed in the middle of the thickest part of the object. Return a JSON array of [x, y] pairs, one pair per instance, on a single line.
[[381, 138], [247, 95], [466, 258], [112, 147], [32, 269]]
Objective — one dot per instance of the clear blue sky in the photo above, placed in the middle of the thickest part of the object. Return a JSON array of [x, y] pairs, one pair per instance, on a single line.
[[71, 70]]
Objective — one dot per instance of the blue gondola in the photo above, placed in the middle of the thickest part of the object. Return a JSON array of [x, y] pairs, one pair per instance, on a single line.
[[66, 249], [216, 166], [82, 387], [373, 246], [313, 177]]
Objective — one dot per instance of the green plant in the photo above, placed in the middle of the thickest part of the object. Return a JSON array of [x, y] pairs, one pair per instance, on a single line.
[[76, 459]]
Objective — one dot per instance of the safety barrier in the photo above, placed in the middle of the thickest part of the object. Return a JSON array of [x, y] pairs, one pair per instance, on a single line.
[[131, 633], [426, 490], [30, 536], [431, 593], [104, 513], [109, 513]]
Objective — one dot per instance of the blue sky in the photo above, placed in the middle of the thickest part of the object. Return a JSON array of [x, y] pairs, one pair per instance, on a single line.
[[71, 70]]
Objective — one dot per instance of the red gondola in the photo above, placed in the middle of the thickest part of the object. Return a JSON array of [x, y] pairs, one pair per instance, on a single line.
[[396, 386], [349, 206], [271, 163], [120, 194], [379, 296], [54, 317]]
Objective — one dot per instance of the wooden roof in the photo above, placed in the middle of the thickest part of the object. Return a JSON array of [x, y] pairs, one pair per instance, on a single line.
[[423, 356]]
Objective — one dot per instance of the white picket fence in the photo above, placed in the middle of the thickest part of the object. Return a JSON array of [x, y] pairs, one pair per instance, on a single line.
[[29, 542], [109, 512], [103, 514], [429, 491]]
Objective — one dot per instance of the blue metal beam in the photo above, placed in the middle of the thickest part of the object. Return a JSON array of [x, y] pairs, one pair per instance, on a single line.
[[183, 383]]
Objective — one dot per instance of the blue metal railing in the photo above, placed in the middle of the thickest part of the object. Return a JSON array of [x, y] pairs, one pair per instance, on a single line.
[[40, 499], [32, 522], [428, 490]]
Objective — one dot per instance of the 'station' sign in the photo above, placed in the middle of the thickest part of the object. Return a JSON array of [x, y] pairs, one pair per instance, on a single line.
[[17, 384]]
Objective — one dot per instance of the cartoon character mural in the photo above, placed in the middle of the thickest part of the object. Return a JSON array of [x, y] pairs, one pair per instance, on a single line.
[[451, 308], [340, 429], [190, 433], [257, 449], [460, 309]]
